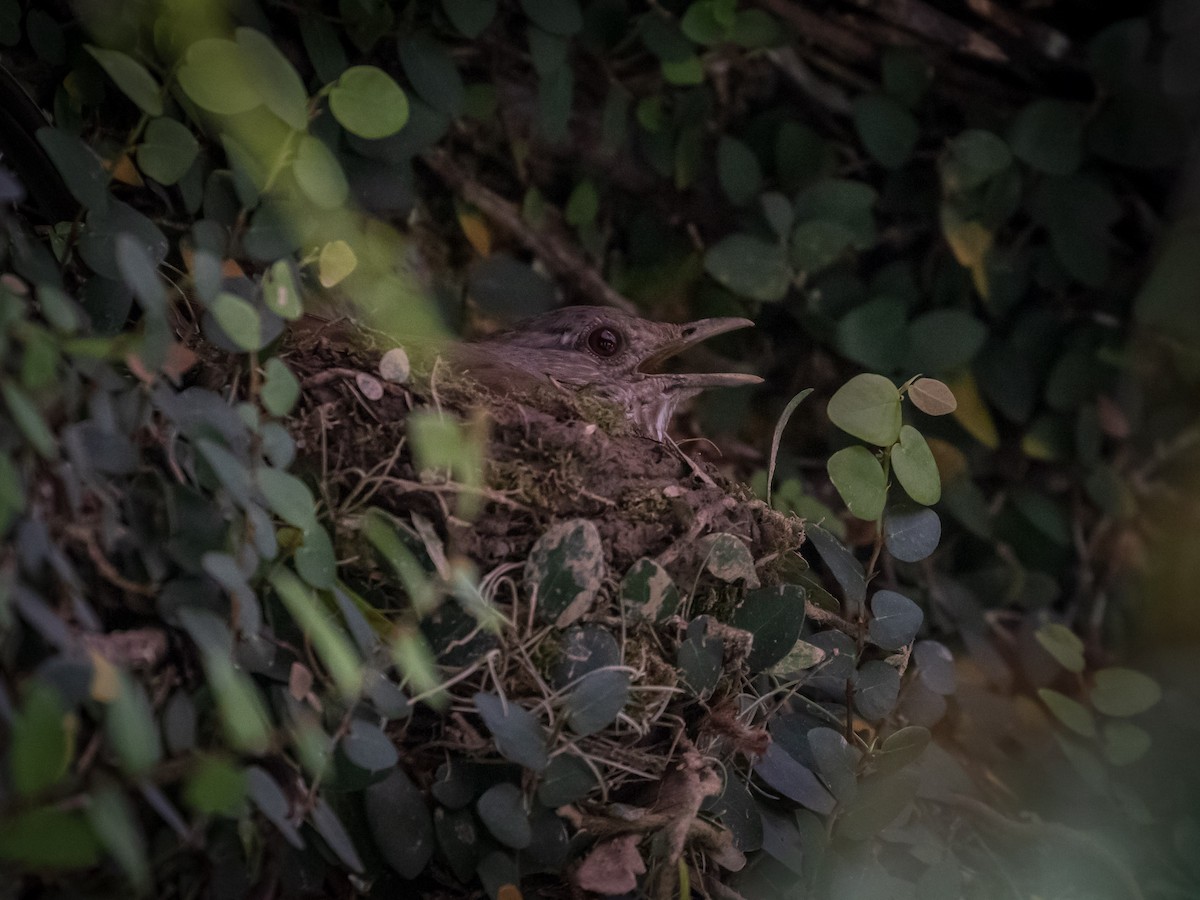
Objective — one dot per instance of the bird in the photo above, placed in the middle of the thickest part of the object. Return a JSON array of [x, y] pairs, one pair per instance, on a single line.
[[603, 352]]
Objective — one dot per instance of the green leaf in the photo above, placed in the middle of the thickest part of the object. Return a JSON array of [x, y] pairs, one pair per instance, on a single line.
[[886, 128], [777, 210], [519, 736], [567, 779], [868, 407], [684, 73], [418, 665], [280, 293], [239, 320], [915, 467], [755, 28], [1048, 134], [911, 533], [583, 204], [1124, 743], [650, 591], [288, 497], [400, 823], [332, 646], [942, 340], [699, 658], [274, 78], [330, 827], [738, 170], [280, 389], [901, 748], [1070, 713], [935, 667], [895, 620], [238, 703], [29, 420], [837, 762], [728, 558], [774, 616], [323, 44], [801, 156], [880, 799], [167, 150], [131, 729], [216, 786], [840, 200], [780, 770], [972, 158], [816, 245], [41, 740], [49, 838], [79, 167], [380, 530], [860, 481], [470, 17], [216, 77], [367, 102], [433, 74], [12, 494], [876, 689], [562, 17], [749, 266], [565, 570], [700, 24], [273, 803], [315, 560], [596, 700], [875, 334], [556, 92], [847, 571], [140, 274], [131, 77], [367, 746], [1063, 644], [550, 52], [319, 174], [1124, 692], [114, 821]]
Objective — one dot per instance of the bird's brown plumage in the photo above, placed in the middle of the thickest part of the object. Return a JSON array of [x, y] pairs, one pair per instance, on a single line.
[[605, 352]]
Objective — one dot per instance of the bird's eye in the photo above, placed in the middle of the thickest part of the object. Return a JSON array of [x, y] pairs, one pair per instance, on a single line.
[[604, 341]]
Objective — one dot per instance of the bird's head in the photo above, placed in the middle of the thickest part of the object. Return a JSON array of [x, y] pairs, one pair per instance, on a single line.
[[606, 352]]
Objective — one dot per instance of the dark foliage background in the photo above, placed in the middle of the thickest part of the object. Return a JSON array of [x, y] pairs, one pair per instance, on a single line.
[[223, 671]]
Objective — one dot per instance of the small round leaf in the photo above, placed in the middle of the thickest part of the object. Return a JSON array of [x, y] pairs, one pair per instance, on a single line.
[[915, 467], [1124, 692], [367, 102], [868, 407], [860, 481]]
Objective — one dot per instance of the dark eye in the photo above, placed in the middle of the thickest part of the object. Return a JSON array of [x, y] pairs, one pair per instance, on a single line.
[[604, 341]]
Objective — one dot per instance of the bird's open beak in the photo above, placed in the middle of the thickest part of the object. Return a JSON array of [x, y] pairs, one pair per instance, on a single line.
[[690, 335]]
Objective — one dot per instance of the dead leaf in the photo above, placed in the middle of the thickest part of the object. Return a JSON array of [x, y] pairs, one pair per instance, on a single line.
[[300, 681], [1113, 420], [612, 867], [179, 360]]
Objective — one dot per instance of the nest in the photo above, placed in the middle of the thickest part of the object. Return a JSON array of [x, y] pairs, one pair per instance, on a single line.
[[550, 456], [548, 460]]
